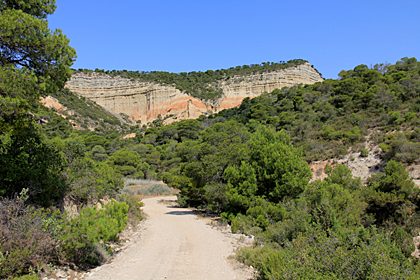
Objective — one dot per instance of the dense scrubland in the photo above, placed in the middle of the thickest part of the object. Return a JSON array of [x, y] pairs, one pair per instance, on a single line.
[[247, 164]]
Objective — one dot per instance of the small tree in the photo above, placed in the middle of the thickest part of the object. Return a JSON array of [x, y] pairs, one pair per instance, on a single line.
[[392, 196], [274, 171]]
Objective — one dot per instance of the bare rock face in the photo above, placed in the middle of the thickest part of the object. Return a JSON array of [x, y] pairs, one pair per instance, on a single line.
[[363, 167], [145, 101], [238, 88]]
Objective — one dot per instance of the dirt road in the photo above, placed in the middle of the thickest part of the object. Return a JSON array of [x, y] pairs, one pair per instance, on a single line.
[[175, 244]]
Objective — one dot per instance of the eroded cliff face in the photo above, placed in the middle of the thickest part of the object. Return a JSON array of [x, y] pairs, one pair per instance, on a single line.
[[145, 101]]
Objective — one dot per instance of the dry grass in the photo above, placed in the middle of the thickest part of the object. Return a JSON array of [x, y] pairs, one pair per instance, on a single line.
[[133, 188]]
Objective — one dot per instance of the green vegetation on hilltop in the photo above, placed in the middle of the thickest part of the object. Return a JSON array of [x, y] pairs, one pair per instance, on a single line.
[[202, 85]]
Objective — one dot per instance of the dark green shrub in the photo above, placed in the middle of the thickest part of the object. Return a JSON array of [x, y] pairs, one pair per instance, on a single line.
[[395, 117], [391, 196], [364, 152], [99, 153], [404, 241], [89, 180], [28, 160], [413, 225], [27, 277], [384, 147], [244, 224], [410, 116]]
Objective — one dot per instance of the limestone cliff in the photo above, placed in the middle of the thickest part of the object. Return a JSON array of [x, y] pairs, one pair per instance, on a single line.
[[145, 101]]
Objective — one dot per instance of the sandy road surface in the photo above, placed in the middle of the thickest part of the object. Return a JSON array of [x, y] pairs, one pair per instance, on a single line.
[[174, 244]]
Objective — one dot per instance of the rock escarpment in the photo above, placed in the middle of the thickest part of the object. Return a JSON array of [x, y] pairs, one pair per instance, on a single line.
[[145, 100]]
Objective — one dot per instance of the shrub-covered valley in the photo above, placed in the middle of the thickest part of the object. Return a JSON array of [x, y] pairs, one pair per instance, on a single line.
[[249, 165]]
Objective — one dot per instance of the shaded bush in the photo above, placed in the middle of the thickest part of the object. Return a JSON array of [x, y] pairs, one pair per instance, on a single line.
[[28, 160], [404, 241], [364, 152], [391, 196], [89, 180]]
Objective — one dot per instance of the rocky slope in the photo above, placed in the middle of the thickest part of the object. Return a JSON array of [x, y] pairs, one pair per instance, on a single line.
[[144, 101], [363, 167]]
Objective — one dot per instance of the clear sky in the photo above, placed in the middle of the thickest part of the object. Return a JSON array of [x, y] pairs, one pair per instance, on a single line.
[[199, 35]]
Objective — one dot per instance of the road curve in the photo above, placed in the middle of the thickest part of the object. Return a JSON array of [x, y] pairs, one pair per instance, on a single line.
[[174, 244]]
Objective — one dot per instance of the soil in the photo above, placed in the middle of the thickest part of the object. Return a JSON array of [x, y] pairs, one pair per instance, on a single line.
[[174, 243]]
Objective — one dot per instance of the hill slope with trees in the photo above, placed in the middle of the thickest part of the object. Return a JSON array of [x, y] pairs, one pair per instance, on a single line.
[[248, 164], [41, 167]]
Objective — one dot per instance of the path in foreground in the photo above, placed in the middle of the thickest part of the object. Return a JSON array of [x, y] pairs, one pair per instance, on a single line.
[[174, 244]]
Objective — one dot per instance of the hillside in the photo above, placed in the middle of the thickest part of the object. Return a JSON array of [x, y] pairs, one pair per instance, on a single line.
[[363, 119], [145, 96], [321, 173], [80, 113]]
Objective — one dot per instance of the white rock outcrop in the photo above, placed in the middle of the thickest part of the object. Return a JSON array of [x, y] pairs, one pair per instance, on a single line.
[[145, 101]]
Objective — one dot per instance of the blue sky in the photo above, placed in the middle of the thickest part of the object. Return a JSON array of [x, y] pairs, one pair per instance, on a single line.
[[186, 35]]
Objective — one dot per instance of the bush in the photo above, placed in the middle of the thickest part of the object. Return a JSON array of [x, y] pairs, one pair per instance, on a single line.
[[404, 241], [92, 180], [128, 191], [156, 189], [244, 224], [384, 147], [93, 226], [26, 239], [28, 160], [364, 152], [27, 277], [138, 182], [321, 256], [135, 213], [413, 225]]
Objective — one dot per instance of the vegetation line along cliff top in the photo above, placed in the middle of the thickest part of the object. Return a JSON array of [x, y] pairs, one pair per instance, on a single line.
[[145, 96], [202, 85]]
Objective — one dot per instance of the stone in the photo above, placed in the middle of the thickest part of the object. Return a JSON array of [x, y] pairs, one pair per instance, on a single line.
[[144, 101]]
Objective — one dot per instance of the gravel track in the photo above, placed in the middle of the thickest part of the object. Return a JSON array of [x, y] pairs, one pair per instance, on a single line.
[[175, 244]]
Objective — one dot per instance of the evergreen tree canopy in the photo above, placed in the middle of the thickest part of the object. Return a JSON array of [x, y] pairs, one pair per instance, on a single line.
[[34, 60]]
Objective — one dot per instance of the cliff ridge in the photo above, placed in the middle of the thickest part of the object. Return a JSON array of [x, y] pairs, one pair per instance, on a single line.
[[145, 101]]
